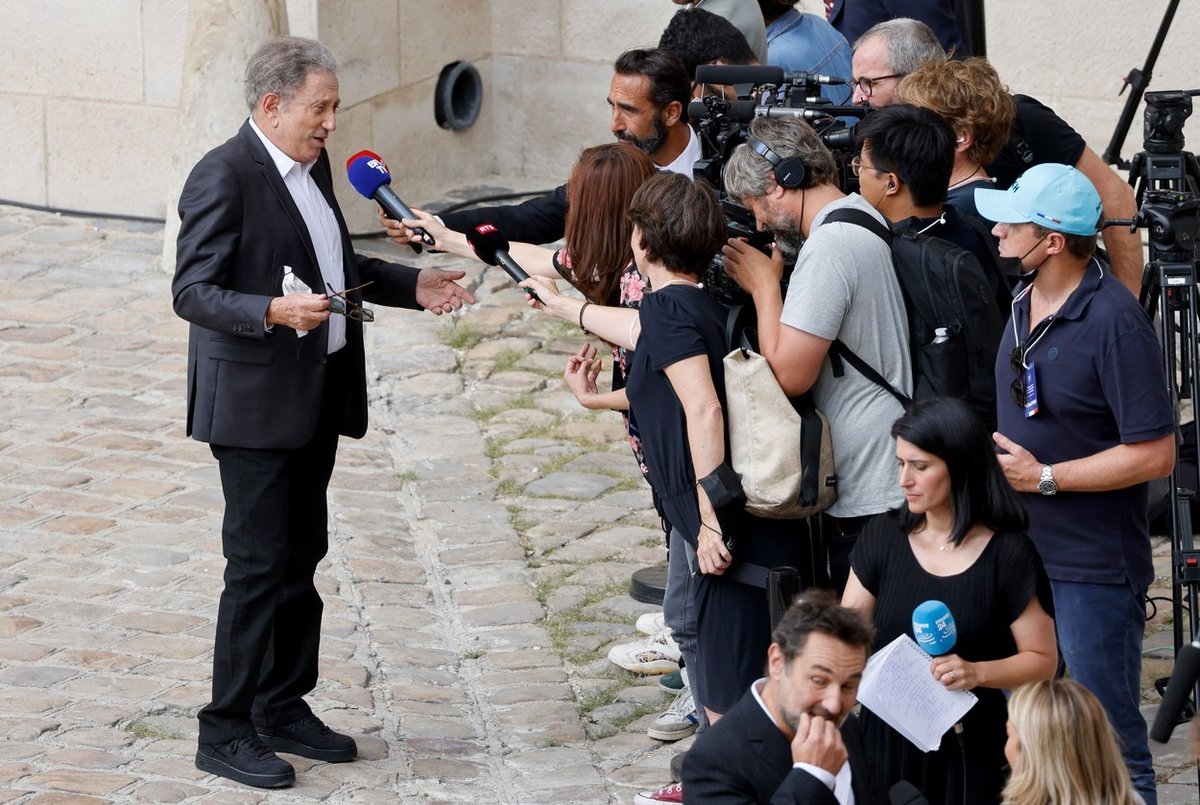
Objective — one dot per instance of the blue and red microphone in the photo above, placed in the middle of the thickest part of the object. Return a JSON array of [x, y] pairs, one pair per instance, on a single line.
[[370, 176]]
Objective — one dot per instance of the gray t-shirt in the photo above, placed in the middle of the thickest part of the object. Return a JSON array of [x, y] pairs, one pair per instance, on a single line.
[[844, 287]]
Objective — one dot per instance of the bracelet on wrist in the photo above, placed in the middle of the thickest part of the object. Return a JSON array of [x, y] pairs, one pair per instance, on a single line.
[[586, 331]]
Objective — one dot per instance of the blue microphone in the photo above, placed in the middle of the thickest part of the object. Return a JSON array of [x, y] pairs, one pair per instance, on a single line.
[[370, 177], [933, 627]]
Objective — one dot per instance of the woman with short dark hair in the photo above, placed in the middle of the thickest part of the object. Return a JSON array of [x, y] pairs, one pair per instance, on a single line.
[[960, 539], [677, 386]]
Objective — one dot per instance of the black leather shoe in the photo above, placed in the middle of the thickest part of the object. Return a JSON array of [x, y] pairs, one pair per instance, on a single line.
[[309, 737], [246, 761]]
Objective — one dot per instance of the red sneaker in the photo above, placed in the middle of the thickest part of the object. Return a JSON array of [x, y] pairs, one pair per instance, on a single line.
[[668, 793]]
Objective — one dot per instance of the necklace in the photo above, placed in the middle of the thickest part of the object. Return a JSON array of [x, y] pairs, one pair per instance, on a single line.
[[970, 176], [682, 282]]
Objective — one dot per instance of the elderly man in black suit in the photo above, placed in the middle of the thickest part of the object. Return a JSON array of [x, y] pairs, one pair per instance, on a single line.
[[273, 381], [791, 738]]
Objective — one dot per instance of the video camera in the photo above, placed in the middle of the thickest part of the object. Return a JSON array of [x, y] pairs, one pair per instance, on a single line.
[[724, 124]]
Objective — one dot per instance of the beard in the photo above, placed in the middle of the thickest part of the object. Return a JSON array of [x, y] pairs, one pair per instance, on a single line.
[[651, 142], [792, 717], [786, 228]]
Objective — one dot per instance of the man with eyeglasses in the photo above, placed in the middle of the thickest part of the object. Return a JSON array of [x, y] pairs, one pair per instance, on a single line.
[[1085, 422], [889, 51], [843, 287]]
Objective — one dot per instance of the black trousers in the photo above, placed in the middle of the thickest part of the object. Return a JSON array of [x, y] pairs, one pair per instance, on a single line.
[[274, 534]]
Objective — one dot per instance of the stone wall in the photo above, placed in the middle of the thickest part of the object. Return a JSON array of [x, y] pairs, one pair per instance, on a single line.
[[93, 88]]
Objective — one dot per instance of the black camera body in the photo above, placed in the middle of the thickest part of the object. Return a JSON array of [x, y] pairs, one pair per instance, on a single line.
[[724, 124]]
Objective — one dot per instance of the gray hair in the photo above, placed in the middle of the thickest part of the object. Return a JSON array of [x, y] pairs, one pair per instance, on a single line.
[[751, 175], [909, 43], [282, 66]]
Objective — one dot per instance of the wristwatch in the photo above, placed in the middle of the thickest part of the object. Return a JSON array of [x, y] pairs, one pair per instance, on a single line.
[[1046, 485]]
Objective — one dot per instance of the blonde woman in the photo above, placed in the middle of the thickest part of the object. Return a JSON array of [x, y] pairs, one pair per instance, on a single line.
[[1062, 749]]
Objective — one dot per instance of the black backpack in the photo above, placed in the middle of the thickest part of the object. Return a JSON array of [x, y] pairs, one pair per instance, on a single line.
[[954, 325]]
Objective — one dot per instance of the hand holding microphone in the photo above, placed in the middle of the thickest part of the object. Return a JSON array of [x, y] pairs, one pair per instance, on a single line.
[[370, 177], [936, 632], [492, 248]]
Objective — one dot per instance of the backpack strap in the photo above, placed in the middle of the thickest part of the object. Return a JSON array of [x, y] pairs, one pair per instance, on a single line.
[[740, 332], [850, 215], [841, 351], [838, 350]]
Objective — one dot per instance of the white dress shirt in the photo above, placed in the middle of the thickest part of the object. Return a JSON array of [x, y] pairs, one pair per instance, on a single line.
[[683, 163], [322, 228]]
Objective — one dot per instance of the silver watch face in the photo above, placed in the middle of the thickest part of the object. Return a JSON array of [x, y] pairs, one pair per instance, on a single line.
[[1047, 486]]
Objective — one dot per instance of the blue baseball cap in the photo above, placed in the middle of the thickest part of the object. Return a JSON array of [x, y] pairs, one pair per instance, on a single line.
[[1053, 196]]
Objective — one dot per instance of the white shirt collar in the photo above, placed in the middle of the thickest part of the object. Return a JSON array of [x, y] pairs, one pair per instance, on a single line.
[[684, 163], [283, 163]]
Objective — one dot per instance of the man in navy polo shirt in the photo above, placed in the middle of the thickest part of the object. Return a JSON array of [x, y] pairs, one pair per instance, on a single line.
[[1085, 422]]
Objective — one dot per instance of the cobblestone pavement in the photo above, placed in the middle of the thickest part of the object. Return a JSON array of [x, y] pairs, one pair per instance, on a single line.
[[483, 535]]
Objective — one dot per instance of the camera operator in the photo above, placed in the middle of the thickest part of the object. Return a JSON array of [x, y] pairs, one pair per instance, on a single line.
[[843, 287], [1084, 423], [889, 51], [648, 96]]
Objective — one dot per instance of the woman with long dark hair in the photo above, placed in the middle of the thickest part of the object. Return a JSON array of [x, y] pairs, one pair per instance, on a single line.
[[960, 539], [597, 260]]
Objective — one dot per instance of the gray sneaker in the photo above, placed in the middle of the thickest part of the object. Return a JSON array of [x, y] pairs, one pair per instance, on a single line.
[[679, 721]]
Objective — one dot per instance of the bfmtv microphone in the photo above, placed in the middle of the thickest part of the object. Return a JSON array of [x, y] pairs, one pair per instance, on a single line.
[[370, 177], [492, 248], [933, 627]]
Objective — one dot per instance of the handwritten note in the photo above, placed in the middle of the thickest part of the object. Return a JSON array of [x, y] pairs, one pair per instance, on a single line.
[[898, 687]]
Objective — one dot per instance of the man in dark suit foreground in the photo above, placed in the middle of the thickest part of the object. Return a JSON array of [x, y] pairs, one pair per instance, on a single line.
[[273, 381], [791, 738]]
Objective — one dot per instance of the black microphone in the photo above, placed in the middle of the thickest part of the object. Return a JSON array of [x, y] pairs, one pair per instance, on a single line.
[[492, 248], [371, 178], [1179, 687], [758, 74], [905, 793], [803, 77]]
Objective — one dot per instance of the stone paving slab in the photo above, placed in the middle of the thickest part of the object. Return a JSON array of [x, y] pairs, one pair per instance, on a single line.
[[482, 536]]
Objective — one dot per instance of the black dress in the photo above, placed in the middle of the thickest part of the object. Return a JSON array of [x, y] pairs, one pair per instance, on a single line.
[[984, 599], [732, 618]]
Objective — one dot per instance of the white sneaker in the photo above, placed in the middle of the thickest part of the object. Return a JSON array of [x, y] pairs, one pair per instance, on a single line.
[[680, 720], [656, 654], [651, 623]]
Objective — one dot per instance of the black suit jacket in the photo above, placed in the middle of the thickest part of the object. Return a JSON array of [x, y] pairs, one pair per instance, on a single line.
[[744, 758], [538, 220], [238, 229], [852, 18]]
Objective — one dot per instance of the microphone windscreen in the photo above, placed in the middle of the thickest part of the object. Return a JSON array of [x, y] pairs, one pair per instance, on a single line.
[[933, 628], [367, 173], [905, 793], [486, 240], [738, 74]]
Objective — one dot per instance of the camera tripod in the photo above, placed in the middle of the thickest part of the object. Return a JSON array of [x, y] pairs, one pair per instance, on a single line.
[[1167, 182]]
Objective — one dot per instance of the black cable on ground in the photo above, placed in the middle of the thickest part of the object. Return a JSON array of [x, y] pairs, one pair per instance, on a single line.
[[114, 216], [144, 219]]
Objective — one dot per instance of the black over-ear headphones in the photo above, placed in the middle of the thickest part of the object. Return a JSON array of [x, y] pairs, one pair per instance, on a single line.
[[790, 172]]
